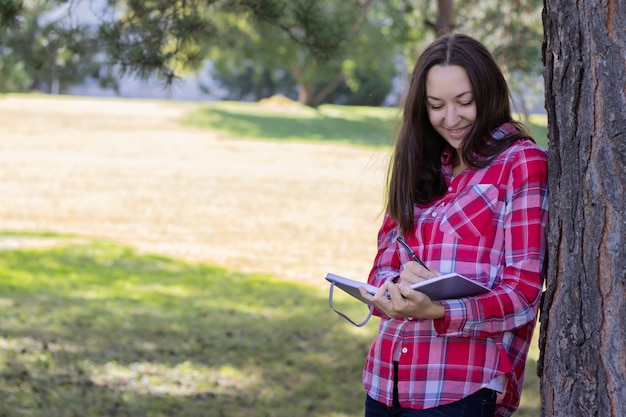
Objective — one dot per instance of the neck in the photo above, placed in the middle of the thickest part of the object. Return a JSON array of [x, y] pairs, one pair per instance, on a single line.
[[459, 165]]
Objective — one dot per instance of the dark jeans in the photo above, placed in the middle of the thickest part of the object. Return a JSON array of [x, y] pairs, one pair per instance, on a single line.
[[479, 404]]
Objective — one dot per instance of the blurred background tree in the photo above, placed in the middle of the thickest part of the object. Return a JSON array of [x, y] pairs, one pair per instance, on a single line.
[[354, 52], [256, 59], [40, 51], [513, 30]]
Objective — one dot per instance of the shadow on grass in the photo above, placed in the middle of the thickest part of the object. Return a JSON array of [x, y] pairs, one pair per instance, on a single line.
[[349, 128], [100, 330]]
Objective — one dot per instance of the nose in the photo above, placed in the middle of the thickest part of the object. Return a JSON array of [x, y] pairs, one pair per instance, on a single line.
[[452, 115]]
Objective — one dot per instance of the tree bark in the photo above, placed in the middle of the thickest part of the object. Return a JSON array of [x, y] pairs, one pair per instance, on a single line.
[[583, 318], [445, 22]]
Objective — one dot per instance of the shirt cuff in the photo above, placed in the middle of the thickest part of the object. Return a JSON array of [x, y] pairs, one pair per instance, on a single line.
[[454, 319]]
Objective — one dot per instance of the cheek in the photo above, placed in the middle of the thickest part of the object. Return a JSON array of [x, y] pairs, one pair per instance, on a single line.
[[471, 113]]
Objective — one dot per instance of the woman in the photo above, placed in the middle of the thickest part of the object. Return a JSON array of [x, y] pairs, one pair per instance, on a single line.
[[468, 193]]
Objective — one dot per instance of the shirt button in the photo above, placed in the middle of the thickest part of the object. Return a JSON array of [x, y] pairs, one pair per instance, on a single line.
[[409, 318], [434, 214], [405, 350], [450, 189]]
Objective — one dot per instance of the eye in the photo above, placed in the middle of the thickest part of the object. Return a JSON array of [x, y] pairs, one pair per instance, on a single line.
[[435, 107], [467, 103]]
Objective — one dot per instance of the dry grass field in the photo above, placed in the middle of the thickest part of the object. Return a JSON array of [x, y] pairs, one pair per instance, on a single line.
[[126, 171]]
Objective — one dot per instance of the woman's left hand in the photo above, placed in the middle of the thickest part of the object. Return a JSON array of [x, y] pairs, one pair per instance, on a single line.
[[399, 300]]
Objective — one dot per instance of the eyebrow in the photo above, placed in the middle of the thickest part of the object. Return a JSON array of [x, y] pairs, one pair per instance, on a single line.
[[457, 96]]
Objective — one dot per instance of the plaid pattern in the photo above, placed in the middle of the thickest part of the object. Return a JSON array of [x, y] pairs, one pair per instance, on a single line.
[[490, 227]]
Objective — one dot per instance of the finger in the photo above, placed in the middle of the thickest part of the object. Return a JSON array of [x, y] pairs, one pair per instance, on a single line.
[[435, 273], [382, 293], [409, 276], [366, 295], [406, 291], [414, 269], [379, 299], [413, 295], [399, 305], [414, 272], [396, 294]]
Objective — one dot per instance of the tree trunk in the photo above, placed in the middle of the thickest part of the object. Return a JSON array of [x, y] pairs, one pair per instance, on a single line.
[[328, 90], [445, 18], [305, 93], [583, 317]]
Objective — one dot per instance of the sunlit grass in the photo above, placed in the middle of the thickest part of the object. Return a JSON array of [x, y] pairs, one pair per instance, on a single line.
[[361, 126]]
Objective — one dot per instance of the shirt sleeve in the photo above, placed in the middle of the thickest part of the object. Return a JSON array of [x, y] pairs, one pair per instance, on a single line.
[[386, 265], [514, 301]]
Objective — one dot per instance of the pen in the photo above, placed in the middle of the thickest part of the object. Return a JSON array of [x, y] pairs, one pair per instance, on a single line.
[[413, 254]]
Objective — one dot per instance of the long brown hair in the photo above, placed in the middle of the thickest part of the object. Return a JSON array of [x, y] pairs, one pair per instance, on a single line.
[[415, 170]]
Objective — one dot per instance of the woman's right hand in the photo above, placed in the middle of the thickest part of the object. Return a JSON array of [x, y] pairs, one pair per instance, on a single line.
[[414, 272]]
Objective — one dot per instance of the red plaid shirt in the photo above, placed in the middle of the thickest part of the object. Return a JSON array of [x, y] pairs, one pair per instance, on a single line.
[[489, 226]]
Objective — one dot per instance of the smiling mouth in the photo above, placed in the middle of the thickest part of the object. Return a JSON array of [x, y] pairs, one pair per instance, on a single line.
[[457, 131]]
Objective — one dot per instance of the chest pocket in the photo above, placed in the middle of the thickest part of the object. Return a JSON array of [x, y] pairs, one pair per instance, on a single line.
[[475, 212]]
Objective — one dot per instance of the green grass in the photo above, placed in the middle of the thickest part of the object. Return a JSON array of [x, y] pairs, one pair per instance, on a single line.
[[35, 234], [360, 126], [537, 124], [98, 329]]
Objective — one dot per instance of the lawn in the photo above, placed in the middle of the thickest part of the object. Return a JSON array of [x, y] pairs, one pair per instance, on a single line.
[[99, 329], [95, 328], [360, 126]]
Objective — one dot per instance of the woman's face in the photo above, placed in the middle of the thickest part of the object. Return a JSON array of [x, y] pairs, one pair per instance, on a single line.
[[450, 103]]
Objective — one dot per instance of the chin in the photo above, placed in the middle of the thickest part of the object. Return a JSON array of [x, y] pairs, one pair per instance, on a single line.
[[457, 145]]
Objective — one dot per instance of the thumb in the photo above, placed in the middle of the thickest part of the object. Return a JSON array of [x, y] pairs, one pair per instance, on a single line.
[[410, 294]]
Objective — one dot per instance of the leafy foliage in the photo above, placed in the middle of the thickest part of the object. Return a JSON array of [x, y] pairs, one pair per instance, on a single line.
[[254, 52], [10, 12], [40, 50], [513, 30], [319, 51], [159, 38]]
